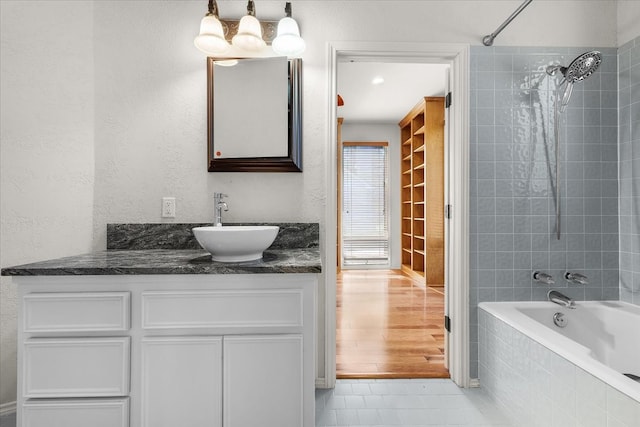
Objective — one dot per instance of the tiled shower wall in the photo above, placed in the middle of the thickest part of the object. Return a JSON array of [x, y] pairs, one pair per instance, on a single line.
[[512, 178], [629, 103]]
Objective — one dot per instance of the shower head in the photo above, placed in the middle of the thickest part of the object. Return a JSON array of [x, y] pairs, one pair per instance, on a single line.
[[579, 69], [583, 66]]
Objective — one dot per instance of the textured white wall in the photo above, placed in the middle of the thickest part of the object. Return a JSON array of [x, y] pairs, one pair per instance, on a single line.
[[149, 136], [628, 22], [47, 149]]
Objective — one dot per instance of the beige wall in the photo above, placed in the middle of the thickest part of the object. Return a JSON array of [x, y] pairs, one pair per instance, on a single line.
[[120, 86]]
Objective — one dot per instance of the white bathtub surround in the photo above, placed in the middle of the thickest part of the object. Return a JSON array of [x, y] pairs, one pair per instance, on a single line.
[[540, 377]]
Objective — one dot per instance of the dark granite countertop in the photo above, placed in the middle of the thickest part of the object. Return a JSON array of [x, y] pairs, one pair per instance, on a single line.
[[294, 251], [170, 261]]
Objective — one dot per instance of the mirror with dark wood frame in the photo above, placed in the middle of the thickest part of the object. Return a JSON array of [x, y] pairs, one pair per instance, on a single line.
[[291, 162]]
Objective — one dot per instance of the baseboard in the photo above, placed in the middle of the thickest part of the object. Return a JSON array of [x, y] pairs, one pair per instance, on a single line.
[[321, 383], [474, 382], [7, 408]]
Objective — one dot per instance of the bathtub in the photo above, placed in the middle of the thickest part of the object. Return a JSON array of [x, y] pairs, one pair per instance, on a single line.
[[541, 373]]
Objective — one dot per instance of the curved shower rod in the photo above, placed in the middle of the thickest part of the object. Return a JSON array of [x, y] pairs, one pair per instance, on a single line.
[[488, 40]]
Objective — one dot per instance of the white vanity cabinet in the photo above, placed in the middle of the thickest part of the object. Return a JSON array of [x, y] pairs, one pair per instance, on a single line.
[[232, 350]]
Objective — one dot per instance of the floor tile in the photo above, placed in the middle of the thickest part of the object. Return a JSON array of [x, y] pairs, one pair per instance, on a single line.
[[416, 402]]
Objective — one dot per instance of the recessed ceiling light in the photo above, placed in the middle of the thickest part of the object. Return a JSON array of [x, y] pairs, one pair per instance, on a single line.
[[377, 80]]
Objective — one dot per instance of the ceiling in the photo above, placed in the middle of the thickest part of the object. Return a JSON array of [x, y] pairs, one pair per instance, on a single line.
[[404, 85]]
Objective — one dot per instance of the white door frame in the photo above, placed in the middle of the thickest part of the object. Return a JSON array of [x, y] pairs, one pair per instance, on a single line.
[[457, 170]]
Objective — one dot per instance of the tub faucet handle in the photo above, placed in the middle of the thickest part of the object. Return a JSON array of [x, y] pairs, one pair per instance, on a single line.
[[541, 277], [576, 278]]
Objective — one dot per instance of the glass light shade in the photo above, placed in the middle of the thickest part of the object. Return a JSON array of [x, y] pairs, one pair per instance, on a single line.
[[249, 35], [227, 62], [211, 38], [288, 42]]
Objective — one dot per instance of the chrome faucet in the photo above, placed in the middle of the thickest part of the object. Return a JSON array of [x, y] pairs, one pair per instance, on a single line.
[[561, 299], [576, 278], [545, 278], [218, 206]]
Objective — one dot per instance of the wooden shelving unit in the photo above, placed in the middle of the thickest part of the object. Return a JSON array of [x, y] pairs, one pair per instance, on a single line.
[[422, 189]]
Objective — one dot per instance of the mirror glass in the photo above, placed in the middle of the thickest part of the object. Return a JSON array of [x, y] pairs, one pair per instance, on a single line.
[[254, 115]]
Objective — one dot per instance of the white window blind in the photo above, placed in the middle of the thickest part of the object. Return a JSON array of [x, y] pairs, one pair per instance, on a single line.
[[365, 229]]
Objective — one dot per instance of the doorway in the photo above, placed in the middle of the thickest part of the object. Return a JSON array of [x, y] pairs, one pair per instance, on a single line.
[[390, 323], [456, 193]]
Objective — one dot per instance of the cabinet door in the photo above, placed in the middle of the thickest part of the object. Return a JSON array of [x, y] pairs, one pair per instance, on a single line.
[[263, 381], [182, 382]]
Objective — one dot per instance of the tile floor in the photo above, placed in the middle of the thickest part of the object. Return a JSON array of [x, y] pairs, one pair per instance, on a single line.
[[380, 403], [419, 402]]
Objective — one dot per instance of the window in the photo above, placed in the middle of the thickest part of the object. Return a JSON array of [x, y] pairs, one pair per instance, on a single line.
[[365, 222]]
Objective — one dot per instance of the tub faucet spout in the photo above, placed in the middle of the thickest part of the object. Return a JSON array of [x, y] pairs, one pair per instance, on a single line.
[[561, 299]]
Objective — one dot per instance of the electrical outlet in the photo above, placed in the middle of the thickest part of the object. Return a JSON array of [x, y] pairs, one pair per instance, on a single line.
[[168, 207]]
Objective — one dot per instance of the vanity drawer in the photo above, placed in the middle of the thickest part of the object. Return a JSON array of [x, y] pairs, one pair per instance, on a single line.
[[76, 367], [77, 312], [222, 309], [76, 413]]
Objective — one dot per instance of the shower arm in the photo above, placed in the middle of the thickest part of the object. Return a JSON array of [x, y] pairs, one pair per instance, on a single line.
[[488, 40]]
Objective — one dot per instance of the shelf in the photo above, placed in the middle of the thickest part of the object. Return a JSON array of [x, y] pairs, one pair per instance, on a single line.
[[422, 150]]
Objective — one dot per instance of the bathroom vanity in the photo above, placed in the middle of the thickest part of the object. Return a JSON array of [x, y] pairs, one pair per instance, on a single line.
[[167, 337]]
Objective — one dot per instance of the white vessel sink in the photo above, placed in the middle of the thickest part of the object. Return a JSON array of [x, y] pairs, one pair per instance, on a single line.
[[236, 243]]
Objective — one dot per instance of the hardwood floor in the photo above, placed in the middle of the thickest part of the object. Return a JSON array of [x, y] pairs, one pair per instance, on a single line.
[[388, 326]]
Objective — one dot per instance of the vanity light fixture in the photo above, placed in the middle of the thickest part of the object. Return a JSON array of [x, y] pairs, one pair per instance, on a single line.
[[226, 62], [211, 38], [248, 37], [288, 41]]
